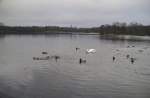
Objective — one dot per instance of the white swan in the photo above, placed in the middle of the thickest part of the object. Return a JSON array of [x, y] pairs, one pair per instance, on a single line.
[[90, 50]]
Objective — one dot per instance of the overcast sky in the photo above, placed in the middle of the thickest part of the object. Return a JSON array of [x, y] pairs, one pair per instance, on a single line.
[[80, 13]]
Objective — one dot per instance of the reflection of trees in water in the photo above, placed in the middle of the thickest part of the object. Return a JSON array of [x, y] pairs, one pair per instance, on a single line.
[[2, 95], [123, 38], [2, 36]]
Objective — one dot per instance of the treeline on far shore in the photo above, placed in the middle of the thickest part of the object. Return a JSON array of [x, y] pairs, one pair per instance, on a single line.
[[115, 28]]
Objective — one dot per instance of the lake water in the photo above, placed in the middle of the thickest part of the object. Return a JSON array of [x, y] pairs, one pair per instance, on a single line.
[[98, 77]]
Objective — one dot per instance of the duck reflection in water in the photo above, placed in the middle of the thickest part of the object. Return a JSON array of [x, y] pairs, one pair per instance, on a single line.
[[132, 60], [127, 56], [113, 58], [77, 48], [82, 61], [55, 57]]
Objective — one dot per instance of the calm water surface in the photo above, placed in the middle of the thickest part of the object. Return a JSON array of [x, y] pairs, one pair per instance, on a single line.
[[99, 77]]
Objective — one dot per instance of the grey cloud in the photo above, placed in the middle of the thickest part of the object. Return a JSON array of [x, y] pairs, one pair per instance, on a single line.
[[75, 12]]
